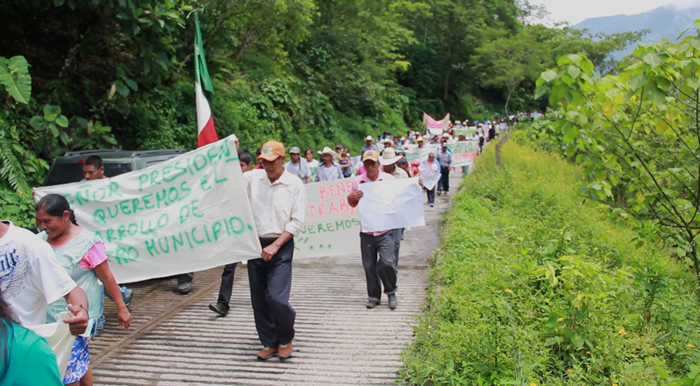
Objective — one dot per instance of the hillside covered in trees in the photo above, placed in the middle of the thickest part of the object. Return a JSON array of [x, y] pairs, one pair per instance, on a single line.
[[107, 73]]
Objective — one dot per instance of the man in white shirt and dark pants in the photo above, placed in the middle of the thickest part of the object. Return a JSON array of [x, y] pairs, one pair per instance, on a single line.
[[278, 201]]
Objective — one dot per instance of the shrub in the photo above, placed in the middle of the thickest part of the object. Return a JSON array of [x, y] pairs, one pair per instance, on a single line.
[[534, 286]]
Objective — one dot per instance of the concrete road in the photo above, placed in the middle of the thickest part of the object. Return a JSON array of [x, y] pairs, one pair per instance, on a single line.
[[177, 340]]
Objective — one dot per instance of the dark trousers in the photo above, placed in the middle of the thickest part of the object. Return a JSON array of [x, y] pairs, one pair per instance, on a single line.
[[270, 283], [398, 235], [378, 261], [444, 184], [431, 195], [226, 286], [185, 278]]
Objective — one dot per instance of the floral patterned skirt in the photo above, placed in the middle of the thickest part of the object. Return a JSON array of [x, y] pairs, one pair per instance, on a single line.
[[79, 361]]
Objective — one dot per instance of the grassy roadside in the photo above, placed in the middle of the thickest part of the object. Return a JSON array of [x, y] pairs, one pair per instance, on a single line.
[[532, 287]]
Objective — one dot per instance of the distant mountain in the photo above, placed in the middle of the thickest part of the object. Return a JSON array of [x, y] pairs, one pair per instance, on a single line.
[[665, 22]]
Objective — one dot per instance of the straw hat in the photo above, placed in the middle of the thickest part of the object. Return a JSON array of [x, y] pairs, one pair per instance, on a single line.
[[389, 157], [328, 150]]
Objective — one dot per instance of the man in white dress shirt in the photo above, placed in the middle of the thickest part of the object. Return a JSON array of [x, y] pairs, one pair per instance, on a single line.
[[278, 201]]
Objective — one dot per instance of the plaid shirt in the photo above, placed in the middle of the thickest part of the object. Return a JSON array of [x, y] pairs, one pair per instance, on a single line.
[[444, 158]]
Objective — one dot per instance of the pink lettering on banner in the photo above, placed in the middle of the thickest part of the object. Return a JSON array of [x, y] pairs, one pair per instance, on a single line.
[[330, 208], [464, 156], [339, 189]]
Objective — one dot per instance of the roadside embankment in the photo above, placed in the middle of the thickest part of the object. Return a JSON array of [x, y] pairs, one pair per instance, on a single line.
[[534, 286]]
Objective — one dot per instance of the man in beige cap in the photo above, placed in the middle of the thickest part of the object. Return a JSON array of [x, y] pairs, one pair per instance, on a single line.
[[278, 201], [420, 141]]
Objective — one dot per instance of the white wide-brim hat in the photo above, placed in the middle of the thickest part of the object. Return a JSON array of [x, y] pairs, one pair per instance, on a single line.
[[389, 157], [328, 150]]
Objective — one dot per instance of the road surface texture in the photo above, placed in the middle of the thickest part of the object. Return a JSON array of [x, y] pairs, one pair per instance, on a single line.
[[176, 339]]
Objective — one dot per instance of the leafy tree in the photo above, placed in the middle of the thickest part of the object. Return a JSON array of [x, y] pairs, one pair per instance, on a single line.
[[510, 59], [637, 134]]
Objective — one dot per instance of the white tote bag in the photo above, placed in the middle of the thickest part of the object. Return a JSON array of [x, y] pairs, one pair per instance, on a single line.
[[59, 339]]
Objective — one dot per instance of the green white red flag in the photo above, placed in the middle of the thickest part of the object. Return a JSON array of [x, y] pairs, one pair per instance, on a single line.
[[206, 132]]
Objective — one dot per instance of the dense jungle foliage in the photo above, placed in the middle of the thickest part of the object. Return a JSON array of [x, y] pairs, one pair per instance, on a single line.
[[108, 73]]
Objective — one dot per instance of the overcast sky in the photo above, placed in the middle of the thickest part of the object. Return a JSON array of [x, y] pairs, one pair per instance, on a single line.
[[575, 11]]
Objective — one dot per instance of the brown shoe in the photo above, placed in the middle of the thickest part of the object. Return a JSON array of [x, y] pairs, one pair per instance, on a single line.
[[267, 353], [285, 351]]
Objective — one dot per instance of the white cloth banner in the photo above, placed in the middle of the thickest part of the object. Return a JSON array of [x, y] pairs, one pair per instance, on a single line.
[[434, 132], [189, 213], [59, 338], [420, 154], [392, 204], [430, 176], [464, 152], [332, 227]]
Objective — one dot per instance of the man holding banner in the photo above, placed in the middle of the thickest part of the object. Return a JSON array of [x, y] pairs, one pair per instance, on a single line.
[[375, 244], [278, 201]]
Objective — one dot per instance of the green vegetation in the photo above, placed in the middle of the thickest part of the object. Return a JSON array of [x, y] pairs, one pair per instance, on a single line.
[[534, 287], [108, 73], [637, 135]]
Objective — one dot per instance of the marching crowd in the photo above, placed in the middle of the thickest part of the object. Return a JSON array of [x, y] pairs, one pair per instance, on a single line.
[[65, 267]]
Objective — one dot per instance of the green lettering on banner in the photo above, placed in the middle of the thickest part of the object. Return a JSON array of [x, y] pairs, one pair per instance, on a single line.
[[124, 206], [181, 170], [110, 235], [206, 232], [203, 160], [124, 255], [177, 242], [113, 189], [82, 196], [133, 229], [218, 180], [151, 247], [99, 195], [166, 172], [195, 238], [135, 205], [204, 182], [99, 216], [143, 178], [147, 201], [189, 241], [121, 231], [184, 190], [239, 222], [154, 177], [213, 157], [166, 248], [216, 229]]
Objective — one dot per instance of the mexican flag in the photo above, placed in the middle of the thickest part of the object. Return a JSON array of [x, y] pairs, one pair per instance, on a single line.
[[206, 132]]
